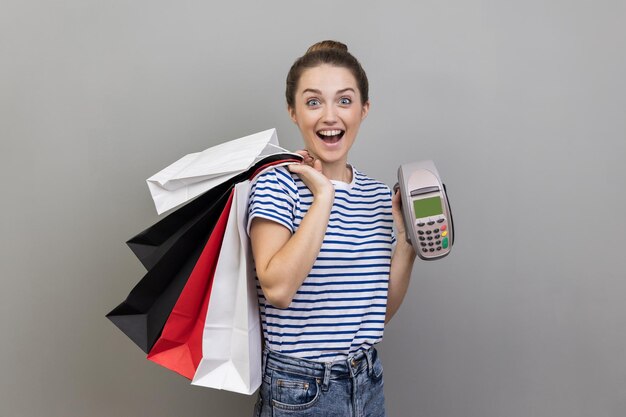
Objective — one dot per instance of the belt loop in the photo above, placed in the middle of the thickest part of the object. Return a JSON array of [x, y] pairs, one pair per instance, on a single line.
[[368, 358], [327, 369], [266, 352]]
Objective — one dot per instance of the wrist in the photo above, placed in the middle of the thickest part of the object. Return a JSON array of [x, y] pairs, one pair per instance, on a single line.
[[403, 245], [325, 198]]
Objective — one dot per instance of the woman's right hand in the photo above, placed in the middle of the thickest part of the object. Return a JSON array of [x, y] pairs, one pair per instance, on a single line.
[[283, 260], [310, 171]]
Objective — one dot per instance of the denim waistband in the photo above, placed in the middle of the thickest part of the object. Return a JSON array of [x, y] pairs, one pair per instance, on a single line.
[[347, 368]]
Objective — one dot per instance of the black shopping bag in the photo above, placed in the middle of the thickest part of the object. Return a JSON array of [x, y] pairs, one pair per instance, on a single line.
[[170, 249]]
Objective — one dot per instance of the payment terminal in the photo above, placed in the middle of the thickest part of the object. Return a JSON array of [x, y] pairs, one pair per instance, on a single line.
[[426, 210]]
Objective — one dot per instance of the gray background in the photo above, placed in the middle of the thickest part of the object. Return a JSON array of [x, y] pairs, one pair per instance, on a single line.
[[521, 104]]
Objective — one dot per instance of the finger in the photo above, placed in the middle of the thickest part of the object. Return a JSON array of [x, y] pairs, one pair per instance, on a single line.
[[396, 204], [306, 156], [295, 168], [396, 196], [301, 168], [317, 164]]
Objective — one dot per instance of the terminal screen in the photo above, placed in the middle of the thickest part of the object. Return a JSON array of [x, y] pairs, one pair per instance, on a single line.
[[426, 207]]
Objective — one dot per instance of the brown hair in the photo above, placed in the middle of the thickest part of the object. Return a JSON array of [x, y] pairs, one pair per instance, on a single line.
[[326, 52]]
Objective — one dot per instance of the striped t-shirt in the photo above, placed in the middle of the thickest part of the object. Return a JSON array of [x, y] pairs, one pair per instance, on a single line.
[[340, 307]]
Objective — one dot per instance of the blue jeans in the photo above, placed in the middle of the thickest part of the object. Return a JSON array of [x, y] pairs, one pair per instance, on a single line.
[[303, 388]]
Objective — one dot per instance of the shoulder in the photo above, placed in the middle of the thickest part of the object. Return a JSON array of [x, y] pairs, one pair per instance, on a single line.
[[273, 196], [276, 178], [365, 183]]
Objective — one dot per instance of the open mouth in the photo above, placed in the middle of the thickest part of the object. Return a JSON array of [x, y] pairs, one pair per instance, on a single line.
[[330, 136]]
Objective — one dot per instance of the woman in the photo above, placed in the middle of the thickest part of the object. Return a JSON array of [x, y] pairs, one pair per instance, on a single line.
[[322, 241]]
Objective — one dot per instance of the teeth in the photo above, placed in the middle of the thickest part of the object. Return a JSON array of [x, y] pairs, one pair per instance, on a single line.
[[329, 132]]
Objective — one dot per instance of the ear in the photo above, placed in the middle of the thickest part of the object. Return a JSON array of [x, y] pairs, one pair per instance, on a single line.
[[365, 109], [292, 114]]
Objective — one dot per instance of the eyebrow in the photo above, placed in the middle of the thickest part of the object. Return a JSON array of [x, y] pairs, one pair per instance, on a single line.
[[314, 91]]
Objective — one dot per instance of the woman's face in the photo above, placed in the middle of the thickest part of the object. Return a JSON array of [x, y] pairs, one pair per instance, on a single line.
[[328, 111]]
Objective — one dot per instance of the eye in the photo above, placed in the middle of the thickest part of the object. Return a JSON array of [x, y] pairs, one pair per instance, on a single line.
[[345, 100], [313, 102]]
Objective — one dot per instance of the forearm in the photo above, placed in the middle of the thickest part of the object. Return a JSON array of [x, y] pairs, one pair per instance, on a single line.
[[289, 267], [399, 275]]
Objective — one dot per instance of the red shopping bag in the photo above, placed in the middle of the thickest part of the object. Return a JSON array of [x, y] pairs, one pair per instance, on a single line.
[[179, 348], [170, 249]]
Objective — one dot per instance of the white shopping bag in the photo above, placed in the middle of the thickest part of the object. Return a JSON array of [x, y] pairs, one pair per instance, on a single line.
[[231, 342], [198, 172]]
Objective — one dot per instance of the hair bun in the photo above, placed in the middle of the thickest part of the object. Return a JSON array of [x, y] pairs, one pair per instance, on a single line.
[[328, 45]]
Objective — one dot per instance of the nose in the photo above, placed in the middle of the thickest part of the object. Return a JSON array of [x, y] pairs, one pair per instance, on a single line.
[[330, 115]]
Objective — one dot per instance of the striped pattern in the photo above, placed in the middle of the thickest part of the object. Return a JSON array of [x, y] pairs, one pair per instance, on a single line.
[[340, 307]]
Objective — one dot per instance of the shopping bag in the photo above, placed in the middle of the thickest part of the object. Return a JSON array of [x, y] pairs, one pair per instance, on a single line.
[[152, 243], [231, 341], [143, 313], [198, 172], [170, 249], [179, 348]]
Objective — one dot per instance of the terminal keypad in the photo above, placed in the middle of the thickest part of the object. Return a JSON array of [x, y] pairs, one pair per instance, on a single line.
[[433, 234]]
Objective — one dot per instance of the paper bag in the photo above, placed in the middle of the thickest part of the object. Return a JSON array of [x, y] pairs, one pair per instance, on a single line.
[[169, 250], [153, 243], [142, 315], [179, 348], [150, 245], [198, 172], [231, 342]]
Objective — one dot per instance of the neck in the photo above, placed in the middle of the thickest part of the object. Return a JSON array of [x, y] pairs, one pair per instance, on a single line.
[[338, 171]]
